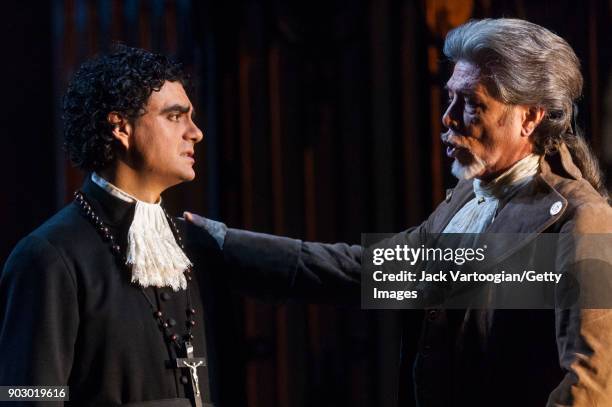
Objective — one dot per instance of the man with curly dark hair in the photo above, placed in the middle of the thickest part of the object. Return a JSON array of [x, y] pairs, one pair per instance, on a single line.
[[129, 78], [102, 298]]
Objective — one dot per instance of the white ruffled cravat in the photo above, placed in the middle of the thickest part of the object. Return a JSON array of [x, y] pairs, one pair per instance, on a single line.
[[153, 253], [478, 213]]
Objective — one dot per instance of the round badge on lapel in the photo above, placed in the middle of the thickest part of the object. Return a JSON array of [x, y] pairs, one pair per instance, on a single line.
[[556, 208]]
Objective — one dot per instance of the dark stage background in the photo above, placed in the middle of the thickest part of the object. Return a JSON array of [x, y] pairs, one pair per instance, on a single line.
[[321, 121]]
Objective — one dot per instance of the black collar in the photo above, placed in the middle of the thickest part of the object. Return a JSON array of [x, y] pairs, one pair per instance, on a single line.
[[111, 209]]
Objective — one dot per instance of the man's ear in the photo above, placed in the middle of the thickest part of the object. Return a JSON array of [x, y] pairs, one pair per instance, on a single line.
[[532, 116], [121, 128]]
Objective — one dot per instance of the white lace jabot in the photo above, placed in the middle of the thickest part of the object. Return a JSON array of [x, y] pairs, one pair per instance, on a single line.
[[153, 253]]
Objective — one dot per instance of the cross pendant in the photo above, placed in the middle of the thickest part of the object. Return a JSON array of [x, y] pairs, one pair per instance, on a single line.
[[192, 364]]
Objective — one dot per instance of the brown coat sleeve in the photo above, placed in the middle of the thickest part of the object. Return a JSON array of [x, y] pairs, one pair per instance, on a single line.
[[584, 334], [279, 268]]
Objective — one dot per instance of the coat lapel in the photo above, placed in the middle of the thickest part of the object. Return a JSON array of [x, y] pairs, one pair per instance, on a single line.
[[530, 212], [456, 198]]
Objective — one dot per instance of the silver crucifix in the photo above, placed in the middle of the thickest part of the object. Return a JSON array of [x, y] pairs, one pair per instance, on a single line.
[[193, 367], [192, 364]]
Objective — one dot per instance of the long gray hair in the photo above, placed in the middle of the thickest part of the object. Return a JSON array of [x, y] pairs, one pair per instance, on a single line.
[[523, 63]]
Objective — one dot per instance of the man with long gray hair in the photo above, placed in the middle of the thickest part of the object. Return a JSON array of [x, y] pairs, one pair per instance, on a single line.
[[523, 168]]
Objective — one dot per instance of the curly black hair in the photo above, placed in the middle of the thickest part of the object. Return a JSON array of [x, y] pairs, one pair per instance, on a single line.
[[120, 81]]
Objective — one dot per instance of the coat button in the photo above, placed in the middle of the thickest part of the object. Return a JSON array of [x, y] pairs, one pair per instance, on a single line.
[[184, 380], [165, 296], [171, 322], [556, 208], [432, 314]]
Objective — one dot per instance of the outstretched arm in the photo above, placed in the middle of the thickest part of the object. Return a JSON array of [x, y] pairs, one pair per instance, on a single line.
[[280, 268], [277, 267]]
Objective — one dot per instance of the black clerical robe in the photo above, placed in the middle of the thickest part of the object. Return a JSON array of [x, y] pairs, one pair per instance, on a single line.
[[69, 315]]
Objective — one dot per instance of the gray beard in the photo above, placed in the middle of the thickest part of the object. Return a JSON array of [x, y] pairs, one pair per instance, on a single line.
[[469, 171]]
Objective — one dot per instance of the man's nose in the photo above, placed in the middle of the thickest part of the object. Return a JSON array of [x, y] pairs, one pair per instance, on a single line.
[[449, 118], [195, 134]]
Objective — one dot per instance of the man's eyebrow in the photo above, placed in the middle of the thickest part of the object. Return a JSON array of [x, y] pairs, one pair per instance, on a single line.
[[175, 108], [470, 91]]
